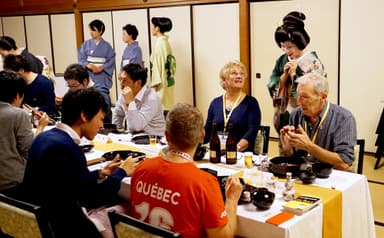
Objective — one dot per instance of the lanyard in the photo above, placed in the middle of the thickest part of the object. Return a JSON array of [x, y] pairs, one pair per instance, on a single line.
[[318, 127], [181, 154], [235, 104]]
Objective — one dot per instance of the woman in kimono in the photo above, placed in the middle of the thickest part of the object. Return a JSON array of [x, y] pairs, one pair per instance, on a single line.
[[132, 53], [98, 56], [292, 38], [159, 59]]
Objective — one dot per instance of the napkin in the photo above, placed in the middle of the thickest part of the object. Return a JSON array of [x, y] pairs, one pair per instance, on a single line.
[[280, 218]]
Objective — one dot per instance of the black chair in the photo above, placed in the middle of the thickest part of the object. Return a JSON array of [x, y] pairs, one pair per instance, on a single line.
[[125, 226], [21, 219], [357, 165], [379, 141], [165, 113]]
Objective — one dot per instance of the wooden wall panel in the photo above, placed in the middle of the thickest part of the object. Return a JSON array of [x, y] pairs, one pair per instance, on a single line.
[[181, 43], [1, 33], [1, 26], [38, 35], [9, 7], [17, 7], [92, 5], [216, 41]]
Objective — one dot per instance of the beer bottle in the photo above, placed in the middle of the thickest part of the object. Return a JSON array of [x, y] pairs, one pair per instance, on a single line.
[[231, 147], [214, 146]]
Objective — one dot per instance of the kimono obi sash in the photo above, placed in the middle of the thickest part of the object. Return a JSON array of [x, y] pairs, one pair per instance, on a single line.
[[96, 60]]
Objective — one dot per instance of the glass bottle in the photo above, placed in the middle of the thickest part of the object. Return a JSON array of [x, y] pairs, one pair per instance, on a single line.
[[289, 191], [231, 147], [259, 144], [214, 146]]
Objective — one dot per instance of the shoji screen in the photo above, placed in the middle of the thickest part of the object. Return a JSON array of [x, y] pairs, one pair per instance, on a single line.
[[14, 27], [216, 41], [63, 40], [38, 35], [361, 69], [180, 40], [139, 19]]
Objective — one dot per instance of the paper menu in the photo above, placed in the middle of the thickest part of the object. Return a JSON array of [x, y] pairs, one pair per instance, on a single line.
[[309, 62]]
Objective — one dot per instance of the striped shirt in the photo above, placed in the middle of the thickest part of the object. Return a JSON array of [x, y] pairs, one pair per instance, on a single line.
[[336, 134]]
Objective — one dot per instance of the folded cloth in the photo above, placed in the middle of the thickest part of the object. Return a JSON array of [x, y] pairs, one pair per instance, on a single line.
[[280, 218], [113, 146], [332, 207]]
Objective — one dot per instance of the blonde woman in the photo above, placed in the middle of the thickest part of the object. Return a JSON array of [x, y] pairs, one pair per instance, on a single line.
[[234, 107]]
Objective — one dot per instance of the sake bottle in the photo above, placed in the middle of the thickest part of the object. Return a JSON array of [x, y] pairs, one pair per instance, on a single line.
[[230, 147], [214, 146]]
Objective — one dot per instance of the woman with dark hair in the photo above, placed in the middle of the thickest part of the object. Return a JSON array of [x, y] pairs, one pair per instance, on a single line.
[[292, 38], [98, 56], [162, 69], [132, 53]]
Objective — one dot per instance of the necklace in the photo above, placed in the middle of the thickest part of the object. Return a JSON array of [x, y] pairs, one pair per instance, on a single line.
[[181, 154]]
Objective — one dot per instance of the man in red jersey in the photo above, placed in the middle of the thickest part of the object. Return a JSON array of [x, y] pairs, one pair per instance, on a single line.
[[172, 192]]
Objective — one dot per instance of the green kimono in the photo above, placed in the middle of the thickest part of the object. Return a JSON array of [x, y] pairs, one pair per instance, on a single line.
[[159, 55], [308, 62]]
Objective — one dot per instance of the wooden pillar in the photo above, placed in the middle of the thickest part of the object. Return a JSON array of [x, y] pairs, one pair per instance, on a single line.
[[78, 26], [244, 30]]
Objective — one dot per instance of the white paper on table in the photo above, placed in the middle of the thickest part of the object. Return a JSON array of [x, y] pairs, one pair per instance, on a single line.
[[61, 87]]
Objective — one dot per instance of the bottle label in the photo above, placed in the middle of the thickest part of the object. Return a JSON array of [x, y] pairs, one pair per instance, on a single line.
[[231, 157], [212, 154]]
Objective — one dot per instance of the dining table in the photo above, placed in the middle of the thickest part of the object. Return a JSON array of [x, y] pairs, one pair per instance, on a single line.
[[345, 211]]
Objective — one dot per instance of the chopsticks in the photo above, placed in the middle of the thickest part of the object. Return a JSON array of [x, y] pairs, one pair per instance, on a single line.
[[38, 113], [95, 161], [102, 159], [140, 158]]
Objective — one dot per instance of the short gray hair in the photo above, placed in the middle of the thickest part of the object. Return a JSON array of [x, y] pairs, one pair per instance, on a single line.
[[184, 126], [319, 82]]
